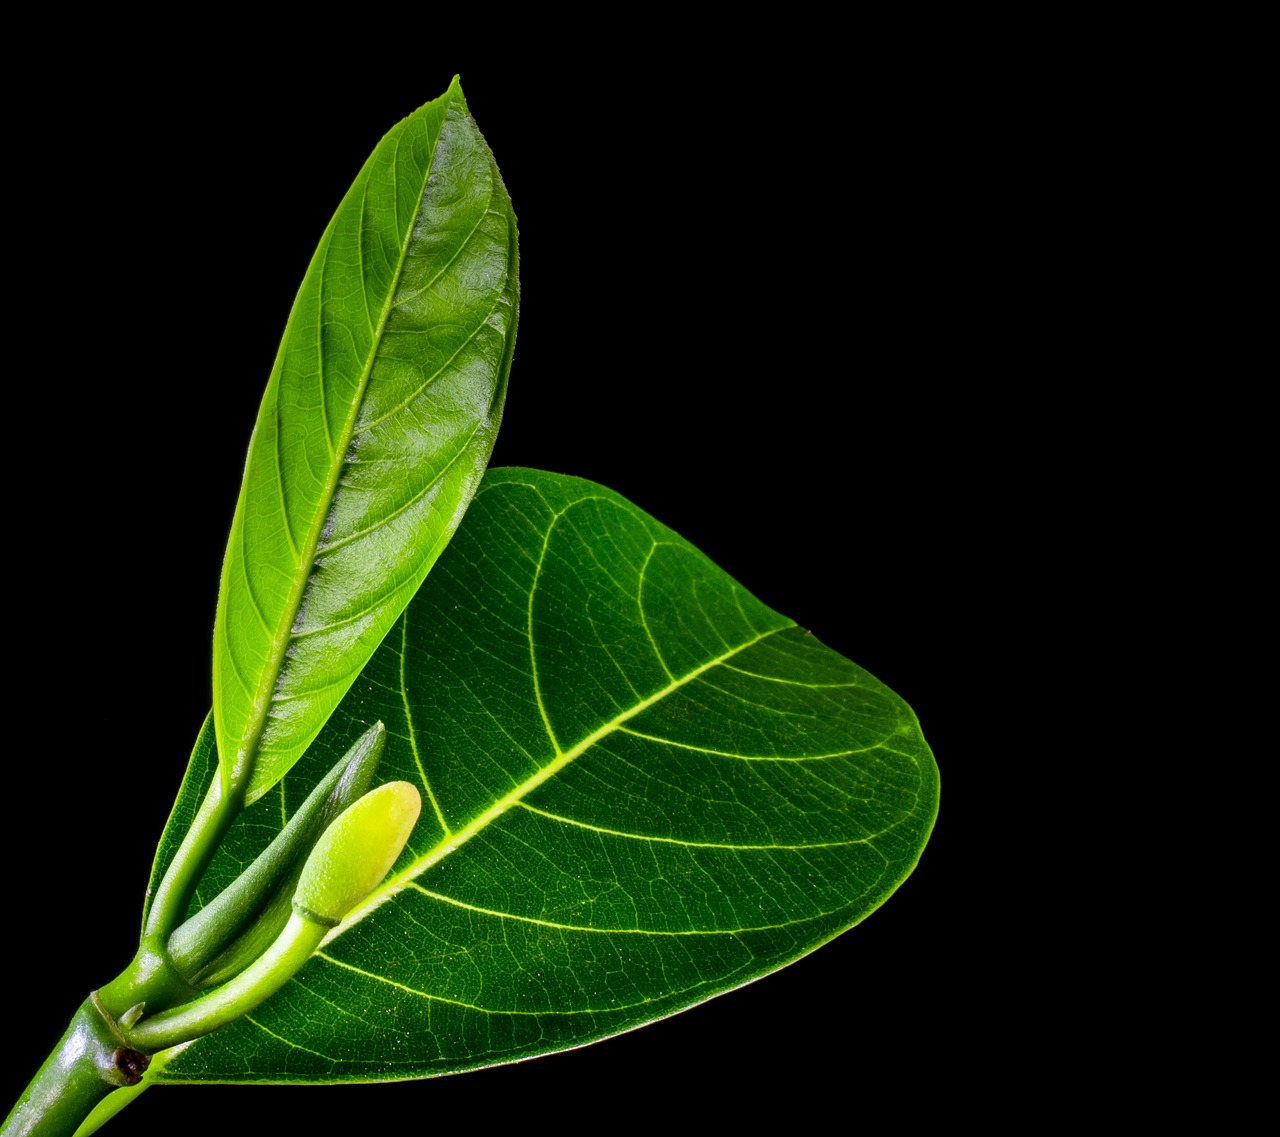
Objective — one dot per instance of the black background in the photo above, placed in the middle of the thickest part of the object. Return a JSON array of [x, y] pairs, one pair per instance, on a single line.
[[785, 311]]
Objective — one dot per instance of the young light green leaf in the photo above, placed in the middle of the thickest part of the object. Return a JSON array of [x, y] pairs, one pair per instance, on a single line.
[[377, 424], [641, 786]]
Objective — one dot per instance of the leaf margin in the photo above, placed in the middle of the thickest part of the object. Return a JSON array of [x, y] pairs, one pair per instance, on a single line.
[[405, 873]]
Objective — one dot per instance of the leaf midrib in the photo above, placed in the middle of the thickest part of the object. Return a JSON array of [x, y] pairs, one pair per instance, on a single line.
[[442, 849], [302, 573]]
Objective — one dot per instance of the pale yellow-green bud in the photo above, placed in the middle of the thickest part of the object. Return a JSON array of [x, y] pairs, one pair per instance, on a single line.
[[355, 853], [344, 866]]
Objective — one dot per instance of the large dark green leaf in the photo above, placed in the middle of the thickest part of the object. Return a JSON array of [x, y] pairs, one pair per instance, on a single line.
[[375, 429], [643, 787]]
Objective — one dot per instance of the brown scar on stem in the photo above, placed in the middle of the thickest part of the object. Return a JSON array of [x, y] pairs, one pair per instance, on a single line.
[[130, 1065]]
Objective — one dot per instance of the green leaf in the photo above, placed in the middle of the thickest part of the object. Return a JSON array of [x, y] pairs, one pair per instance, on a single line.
[[377, 424], [641, 786]]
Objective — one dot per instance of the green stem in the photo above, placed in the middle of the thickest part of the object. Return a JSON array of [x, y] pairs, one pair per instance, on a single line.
[[261, 979], [92, 1059], [151, 1005], [178, 886], [99, 1053], [221, 939]]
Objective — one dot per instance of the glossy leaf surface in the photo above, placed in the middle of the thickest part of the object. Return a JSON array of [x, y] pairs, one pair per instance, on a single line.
[[377, 424], [641, 787]]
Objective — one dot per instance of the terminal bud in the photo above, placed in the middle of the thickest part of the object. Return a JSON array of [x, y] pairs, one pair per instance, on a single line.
[[356, 852]]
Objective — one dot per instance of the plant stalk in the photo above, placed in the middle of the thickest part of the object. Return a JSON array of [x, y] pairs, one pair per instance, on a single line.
[[92, 1059], [178, 886], [266, 975]]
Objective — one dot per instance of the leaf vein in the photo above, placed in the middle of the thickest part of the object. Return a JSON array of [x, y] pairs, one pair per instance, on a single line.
[[694, 844], [685, 933], [750, 757], [284, 506], [462, 247], [547, 1013], [797, 683], [400, 880], [288, 1042], [644, 619], [428, 380], [453, 460], [413, 736]]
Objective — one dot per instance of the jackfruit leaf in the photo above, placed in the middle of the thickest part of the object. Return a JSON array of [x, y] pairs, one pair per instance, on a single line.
[[378, 421], [641, 788]]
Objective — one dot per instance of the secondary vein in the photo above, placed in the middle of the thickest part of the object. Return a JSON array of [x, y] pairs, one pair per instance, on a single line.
[[397, 882]]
